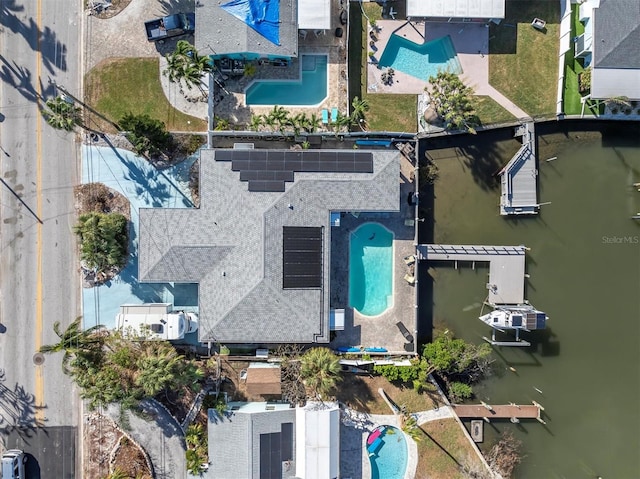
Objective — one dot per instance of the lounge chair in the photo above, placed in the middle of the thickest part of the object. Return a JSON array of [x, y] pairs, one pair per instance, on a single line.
[[409, 260], [325, 116], [334, 115], [303, 34], [373, 447], [374, 435], [409, 278]]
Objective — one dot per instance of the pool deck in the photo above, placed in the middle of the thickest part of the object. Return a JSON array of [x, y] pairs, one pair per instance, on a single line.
[[377, 331], [355, 429]]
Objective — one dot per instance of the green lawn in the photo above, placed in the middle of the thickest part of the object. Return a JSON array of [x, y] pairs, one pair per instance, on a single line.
[[443, 450], [388, 112], [123, 85], [490, 112], [523, 62]]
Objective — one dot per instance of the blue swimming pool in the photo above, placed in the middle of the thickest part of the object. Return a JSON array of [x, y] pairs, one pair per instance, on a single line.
[[420, 61], [388, 457], [310, 89], [371, 269]]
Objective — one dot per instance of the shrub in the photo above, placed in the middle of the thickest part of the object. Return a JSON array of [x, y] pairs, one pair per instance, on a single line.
[[459, 391], [103, 240], [147, 135], [397, 373]]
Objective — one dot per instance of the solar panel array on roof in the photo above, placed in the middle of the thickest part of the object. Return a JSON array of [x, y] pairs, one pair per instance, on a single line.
[[286, 441], [301, 257], [270, 458], [268, 170]]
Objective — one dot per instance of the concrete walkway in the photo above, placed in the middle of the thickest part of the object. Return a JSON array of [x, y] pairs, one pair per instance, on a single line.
[[160, 436]]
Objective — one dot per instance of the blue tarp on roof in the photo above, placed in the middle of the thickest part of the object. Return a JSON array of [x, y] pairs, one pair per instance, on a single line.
[[261, 15]]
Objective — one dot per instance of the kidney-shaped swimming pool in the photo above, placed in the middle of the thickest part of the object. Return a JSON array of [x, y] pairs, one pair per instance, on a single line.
[[387, 448]]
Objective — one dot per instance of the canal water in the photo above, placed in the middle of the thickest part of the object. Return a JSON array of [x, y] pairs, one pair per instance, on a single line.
[[584, 267]]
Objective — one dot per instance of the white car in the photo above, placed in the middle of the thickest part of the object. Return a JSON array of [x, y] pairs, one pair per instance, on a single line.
[[13, 462]]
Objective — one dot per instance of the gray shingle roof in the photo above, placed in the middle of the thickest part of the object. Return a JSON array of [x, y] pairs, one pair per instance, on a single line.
[[232, 246], [617, 34], [234, 441], [220, 33]]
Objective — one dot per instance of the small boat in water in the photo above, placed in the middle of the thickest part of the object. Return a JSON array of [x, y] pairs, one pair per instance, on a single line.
[[514, 317]]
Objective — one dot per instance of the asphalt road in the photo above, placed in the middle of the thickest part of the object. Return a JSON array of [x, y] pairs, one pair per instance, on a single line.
[[39, 283]]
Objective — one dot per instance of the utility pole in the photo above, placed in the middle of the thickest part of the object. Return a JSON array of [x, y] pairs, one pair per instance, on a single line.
[[92, 110]]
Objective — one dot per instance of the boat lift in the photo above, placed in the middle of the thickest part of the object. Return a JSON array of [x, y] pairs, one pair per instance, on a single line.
[[517, 342]]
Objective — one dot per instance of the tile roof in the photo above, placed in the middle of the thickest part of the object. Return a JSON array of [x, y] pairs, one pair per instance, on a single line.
[[232, 247]]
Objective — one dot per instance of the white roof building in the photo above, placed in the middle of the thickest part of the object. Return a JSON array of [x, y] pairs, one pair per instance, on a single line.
[[314, 14], [318, 441], [455, 10]]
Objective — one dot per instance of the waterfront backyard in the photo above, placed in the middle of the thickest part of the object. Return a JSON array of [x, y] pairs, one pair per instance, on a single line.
[[512, 66], [583, 267]]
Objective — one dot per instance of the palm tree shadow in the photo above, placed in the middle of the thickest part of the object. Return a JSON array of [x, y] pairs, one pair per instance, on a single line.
[[441, 447]]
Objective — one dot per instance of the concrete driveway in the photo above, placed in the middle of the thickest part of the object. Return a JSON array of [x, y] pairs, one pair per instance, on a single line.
[[124, 35]]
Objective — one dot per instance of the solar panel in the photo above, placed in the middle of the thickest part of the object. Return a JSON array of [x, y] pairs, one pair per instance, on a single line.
[[302, 257], [286, 441], [290, 161], [270, 458], [266, 186]]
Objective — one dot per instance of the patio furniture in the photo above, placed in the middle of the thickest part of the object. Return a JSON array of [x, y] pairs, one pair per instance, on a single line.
[[538, 23], [410, 278], [325, 116], [405, 332], [338, 32], [373, 436], [374, 446], [334, 114], [317, 33], [303, 34], [409, 260]]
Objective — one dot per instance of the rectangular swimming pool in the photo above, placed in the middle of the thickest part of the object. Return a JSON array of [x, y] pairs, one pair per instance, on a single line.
[[310, 90], [421, 61]]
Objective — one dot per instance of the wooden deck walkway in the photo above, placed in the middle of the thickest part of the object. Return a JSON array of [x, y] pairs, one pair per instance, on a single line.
[[501, 411], [520, 177], [506, 266]]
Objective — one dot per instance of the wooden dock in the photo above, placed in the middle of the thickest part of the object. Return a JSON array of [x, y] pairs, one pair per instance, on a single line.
[[519, 178], [499, 411], [506, 266]]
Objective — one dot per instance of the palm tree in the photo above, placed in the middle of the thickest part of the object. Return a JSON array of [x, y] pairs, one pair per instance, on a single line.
[[360, 107], [320, 370], [186, 64], [342, 121], [269, 121], [61, 114], [193, 435], [194, 462], [312, 124], [117, 473], [256, 122], [74, 340], [160, 368], [279, 116]]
